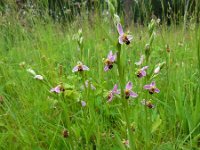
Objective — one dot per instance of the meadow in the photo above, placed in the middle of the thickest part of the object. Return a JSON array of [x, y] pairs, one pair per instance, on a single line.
[[37, 55]]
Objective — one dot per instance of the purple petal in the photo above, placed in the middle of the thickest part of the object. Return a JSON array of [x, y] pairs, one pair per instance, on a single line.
[[75, 69], [129, 86], [130, 37], [56, 89], [156, 90], [147, 87], [133, 94], [112, 59], [153, 83], [119, 29], [110, 55], [106, 68], [85, 67], [121, 40], [115, 88]]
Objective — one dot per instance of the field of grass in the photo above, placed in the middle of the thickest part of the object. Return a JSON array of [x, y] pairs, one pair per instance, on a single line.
[[32, 117]]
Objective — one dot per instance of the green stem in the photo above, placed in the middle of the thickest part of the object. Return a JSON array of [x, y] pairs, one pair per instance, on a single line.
[[124, 101]]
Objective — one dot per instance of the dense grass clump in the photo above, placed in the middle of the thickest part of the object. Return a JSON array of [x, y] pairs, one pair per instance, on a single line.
[[79, 117]]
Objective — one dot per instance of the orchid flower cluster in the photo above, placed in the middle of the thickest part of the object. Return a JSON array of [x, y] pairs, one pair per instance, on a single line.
[[140, 73], [112, 60]]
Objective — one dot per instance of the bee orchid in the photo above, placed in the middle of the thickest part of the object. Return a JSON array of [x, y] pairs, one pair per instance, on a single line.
[[142, 72], [110, 61], [80, 67], [123, 37], [152, 88], [111, 93], [128, 91]]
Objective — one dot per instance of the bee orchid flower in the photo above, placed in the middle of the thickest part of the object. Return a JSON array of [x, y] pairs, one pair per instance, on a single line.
[[128, 91], [110, 61], [80, 67], [111, 93], [123, 37], [148, 103], [58, 89], [152, 88], [142, 72]]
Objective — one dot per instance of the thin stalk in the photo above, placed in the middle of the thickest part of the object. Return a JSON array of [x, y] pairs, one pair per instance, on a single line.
[[124, 101]]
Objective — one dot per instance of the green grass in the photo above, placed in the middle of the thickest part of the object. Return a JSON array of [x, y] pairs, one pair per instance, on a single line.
[[33, 118]]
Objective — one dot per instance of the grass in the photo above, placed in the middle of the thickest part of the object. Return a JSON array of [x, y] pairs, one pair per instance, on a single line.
[[32, 117]]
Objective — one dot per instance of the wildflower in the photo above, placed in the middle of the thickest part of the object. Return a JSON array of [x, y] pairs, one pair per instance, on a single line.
[[142, 72], [38, 77], [91, 85], [109, 61], [148, 103], [123, 38], [128, 91], [111, 93], [140, 61], [80, 67], [83, 103], [58, 89], [152, 88]]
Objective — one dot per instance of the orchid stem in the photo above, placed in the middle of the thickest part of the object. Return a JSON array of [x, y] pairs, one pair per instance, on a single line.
[[124, 102]]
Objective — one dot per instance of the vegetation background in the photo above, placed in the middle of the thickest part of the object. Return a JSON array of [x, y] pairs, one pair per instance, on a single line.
[[41, 35]]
